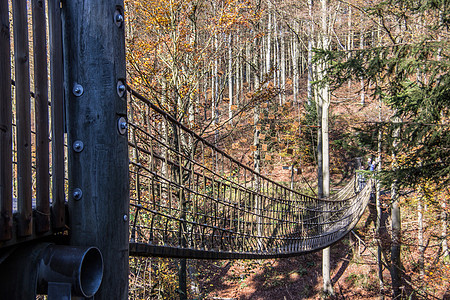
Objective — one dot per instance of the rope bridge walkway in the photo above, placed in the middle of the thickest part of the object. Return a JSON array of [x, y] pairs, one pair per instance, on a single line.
[[192, 200], [64, 164]]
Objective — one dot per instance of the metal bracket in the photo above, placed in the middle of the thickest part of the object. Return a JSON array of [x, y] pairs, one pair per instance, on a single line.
[[59, 291], [122, 125], [118, 18], [121, 88]]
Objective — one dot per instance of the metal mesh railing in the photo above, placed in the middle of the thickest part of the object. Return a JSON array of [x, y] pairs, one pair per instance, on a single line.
[[190, 199]]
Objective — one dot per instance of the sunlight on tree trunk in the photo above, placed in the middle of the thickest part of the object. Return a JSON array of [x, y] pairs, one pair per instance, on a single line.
[[420, 239], [230, 79], [310, 46], [361, 46], [325, 103], [380, 218], [396, 224], [445, 252]]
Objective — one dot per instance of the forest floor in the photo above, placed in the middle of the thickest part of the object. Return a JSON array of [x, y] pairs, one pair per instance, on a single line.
[[353, 273], [353, 265]]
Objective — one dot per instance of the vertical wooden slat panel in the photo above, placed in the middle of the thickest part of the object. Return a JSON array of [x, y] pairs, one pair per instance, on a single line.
[[57, 92], [23, 117], [42, 216], [5, 125]]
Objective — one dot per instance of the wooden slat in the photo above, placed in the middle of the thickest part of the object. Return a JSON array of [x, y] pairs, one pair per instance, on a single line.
[[23, 118], [5, 125], [42, 216], [57, 92]]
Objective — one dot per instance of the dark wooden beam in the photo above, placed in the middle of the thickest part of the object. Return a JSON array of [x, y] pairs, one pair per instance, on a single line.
[[94, 64], [23, 118], [5, 125], [57, 112], [42, 218]]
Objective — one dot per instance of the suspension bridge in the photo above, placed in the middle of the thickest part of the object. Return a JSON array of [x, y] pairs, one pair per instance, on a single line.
[[83, 185], [190, 199]]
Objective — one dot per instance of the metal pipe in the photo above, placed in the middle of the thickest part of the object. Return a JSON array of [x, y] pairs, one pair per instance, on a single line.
[[82, 267], [39, 268]]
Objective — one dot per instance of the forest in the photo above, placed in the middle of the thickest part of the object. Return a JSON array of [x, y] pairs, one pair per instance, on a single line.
[[306, 93]]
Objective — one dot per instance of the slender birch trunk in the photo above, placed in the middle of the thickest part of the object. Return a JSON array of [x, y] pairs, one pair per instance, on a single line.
[[310, 45], [295, 71], [361, 46], [248, 58], [379, 209], [238, 74], [444, 216], [230, 79], [205, 95], [269, 40], [349, 37], [277, 60], [215, 110], [420, 239], [325, 99], [283, 68], [395, 224]]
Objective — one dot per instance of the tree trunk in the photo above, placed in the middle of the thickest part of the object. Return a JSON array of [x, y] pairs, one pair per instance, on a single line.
[[182, 280], [230, 79], [295, 73], [380, 218], [283, 68], [257, 153], [396, 227], [277, 61], [238, 76], [325, 99], [445, 252], [215, 100], [248, 59], [213, 92], [361, 46], [420, 239], [310, 45], [349, 37], [269, 42], [205, 95]]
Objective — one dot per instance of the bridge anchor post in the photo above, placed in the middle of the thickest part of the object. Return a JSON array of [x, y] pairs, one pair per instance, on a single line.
[[96, 109]]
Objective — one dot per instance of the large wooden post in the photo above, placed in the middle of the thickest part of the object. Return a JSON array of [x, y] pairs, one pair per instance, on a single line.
[[6, 200], [94, 63]]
